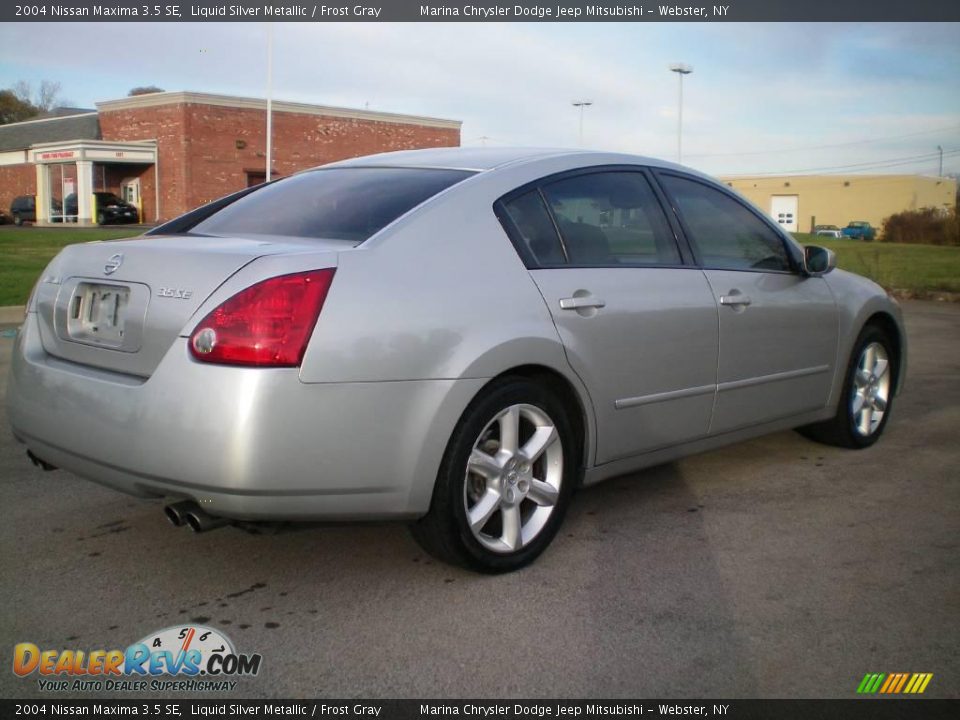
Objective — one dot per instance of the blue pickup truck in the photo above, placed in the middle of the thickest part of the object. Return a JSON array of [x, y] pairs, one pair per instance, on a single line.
[[860, 230]]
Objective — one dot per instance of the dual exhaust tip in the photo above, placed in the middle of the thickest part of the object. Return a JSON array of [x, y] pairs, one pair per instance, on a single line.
[[185, 512], [188, 512]]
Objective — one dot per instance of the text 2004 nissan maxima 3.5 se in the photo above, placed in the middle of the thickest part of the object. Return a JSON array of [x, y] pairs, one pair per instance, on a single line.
[[454, 337]]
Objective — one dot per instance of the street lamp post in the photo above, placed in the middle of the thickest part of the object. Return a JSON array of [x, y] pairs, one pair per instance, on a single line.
[[581, 104], [680, 69], [269, 153]]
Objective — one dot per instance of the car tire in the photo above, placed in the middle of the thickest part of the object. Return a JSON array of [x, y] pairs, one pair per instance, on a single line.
[[867, 398], [493, 510], [17, 220], [101, 219]]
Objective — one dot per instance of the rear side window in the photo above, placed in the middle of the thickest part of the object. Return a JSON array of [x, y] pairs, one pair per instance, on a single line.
[[726, 234], [611, 218], [535, 228], [335, 204]]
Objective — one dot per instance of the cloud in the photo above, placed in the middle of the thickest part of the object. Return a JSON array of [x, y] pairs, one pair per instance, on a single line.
[[770, 87]]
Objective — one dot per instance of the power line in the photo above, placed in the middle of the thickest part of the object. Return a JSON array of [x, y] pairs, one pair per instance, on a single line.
[[825, 147], [890, 162]]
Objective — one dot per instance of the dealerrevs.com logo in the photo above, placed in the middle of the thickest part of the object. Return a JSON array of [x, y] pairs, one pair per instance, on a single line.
[[188, 658]]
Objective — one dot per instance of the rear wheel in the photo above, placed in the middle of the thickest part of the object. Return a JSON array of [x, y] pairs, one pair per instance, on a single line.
[[867, 396], [505, 480], [17, 220]]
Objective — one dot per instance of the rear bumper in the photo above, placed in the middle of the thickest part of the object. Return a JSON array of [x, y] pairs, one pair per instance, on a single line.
[[246, 443]]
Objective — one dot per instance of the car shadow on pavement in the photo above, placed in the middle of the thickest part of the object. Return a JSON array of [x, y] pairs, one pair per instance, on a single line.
[[660, 614]]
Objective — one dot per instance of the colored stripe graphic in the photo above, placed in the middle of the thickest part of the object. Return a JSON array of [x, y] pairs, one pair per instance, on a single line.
[[894, 683], [870, 683], [903, 679]]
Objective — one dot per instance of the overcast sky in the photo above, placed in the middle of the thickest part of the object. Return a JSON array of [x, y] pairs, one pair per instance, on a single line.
[[763, 98]]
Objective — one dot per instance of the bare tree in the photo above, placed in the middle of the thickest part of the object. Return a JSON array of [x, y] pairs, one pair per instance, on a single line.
[[46, 97], [23, 91]]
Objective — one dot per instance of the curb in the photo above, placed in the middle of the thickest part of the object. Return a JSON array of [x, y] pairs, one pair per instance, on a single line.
[[11, 315], [934, 295]]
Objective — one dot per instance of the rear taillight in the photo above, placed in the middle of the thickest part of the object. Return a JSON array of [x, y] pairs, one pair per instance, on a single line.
[[267, 325]]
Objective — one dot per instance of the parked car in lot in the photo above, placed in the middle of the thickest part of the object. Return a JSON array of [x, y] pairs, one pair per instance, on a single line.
[[831, 231], [860, 230], [24, 209], [454, 337], [108, 208]]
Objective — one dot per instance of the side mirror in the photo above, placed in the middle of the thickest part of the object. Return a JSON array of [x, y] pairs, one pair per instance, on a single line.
[[818, 260]]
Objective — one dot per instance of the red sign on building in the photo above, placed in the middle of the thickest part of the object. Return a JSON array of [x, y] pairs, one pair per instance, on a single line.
[[59, 155]]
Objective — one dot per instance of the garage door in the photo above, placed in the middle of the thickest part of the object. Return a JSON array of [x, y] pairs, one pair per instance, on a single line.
[[783, 209]]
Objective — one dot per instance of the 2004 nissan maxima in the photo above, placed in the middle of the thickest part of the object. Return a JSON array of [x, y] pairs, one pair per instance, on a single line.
[[456, 337]]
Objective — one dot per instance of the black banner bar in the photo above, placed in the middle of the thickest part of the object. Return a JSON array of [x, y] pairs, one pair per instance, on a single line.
[[861, 709], [481, 11]]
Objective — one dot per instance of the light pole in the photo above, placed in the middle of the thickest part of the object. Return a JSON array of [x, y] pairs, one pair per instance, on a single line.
[[940, 150], [269, 101], [581, 104], [680, 69]]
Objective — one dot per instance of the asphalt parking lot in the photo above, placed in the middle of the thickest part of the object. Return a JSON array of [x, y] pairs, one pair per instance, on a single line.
[[774, 568]]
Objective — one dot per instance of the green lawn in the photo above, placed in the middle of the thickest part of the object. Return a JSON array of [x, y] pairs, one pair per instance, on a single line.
[[917, 268], [24, 252]]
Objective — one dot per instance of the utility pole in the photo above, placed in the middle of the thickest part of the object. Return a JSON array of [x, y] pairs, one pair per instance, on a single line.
[[940, 150]]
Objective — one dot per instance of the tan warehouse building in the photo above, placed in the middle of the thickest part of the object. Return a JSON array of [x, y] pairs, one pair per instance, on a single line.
[[799, 202]]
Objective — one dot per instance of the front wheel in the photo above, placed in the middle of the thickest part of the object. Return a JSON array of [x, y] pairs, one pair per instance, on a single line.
[[17, 220], [867, 396], [505, 480]]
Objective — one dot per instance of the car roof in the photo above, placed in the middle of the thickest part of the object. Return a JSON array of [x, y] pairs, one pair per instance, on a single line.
[[480, 159]]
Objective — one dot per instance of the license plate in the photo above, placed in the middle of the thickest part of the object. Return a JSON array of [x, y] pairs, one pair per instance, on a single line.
[[97, 313]]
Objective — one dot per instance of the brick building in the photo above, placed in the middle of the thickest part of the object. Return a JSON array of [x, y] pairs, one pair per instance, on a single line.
[[173, 151]]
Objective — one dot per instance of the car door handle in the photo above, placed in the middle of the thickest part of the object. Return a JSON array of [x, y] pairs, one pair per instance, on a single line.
[[576, 303], [735, 300]]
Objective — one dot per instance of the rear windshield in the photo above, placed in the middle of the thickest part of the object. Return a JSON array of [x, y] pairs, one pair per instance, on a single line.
[[336, 204]]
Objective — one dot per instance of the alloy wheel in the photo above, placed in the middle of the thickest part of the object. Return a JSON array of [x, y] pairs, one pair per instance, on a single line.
[[513, 478], [870, 393]]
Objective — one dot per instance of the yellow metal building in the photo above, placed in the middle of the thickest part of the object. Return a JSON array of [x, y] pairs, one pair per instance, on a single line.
[[798, 202]]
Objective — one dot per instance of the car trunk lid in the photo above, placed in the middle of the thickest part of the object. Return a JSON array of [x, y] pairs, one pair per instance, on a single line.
[[120, 305]]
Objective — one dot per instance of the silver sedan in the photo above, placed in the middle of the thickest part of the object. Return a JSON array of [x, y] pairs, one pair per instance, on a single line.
[[456, 337]]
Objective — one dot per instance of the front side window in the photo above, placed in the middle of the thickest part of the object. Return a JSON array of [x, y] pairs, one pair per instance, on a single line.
[[334, 204], [611, 218], [725, 234]]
